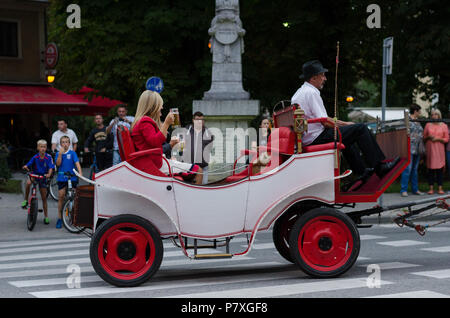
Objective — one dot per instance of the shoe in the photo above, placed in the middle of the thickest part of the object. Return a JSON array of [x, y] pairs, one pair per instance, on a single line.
[[24, 204], [383, 168], [46, 221], [404, 194], [58, 223], [431, 192], [441, 192], [419, 193]]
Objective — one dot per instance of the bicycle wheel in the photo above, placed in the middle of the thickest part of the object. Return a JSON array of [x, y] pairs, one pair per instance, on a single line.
[[32, 214], [53, 187], [67, 217]]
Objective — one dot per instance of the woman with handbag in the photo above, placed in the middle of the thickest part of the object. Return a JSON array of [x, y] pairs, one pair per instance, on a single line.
[[435, 136], [411, 172]]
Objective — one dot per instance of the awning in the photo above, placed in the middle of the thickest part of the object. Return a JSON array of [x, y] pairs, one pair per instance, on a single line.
[[30, 99], [96, 104]]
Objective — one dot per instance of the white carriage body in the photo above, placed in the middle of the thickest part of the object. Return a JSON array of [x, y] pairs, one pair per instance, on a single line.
[[208, 212]]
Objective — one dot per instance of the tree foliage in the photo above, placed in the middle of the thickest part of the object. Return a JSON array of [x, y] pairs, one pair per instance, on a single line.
[[121, 43]]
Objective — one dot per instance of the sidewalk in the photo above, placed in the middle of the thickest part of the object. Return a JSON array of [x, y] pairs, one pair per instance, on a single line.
[[13, 217]]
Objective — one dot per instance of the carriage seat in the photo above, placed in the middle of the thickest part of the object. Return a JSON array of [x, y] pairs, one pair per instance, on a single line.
[[139, 159], [321, 147], [281, 143]]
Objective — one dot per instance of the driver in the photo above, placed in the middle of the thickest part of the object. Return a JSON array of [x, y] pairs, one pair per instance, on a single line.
[[148, 132]]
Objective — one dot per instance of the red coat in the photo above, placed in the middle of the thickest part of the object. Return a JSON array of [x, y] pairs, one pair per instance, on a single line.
[[146, 135]]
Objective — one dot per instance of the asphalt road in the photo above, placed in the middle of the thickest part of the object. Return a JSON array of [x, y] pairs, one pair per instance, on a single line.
[[393, 262]]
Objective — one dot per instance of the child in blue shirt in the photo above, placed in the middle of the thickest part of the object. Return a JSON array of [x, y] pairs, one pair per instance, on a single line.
[[40, 164], [66, 160]]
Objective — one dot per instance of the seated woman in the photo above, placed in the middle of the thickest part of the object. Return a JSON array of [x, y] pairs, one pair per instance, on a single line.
[[148, 132]]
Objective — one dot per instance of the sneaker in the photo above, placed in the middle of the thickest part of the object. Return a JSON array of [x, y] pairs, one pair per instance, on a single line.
[[58, 223], [404, 194], [24, 204], [419, 193], [46, 221]]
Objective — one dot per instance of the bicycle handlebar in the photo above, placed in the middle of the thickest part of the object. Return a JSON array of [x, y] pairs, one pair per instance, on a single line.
[[37, 176]]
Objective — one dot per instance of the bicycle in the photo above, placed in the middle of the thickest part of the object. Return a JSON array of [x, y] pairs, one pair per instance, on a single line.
[[94, 167], [68, 206], [33, 201], [53, 183]]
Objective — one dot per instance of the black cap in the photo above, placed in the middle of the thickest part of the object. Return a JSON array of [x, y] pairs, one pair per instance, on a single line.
[[312, 68]]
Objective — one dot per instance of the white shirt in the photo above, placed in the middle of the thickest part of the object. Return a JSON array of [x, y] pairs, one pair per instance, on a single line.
[[308, 97], [56, 138], [120, 123]]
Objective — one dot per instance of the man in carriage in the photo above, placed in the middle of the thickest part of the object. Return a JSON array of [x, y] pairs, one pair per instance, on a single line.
[[356, 137]]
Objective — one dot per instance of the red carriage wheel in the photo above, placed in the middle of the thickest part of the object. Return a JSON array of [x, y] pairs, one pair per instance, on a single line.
[[324, 243], [126, 250]]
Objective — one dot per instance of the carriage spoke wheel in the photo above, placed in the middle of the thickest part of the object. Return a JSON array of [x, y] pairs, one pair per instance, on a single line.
[[324, 243], [126, 250]]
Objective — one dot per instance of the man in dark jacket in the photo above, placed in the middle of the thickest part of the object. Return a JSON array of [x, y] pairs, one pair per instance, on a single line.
[[103, 144], [198, 144]]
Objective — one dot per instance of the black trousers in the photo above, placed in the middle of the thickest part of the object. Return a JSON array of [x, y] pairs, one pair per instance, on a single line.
[[357, 140], [104, 160], [431, 176]]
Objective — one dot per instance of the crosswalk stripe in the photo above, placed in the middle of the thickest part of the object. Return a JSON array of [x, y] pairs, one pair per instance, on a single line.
[[42, 248], [413, 294], [401, 243], [442, 273], [41, 242], [261, 246], [41, 272], [90, 278], [45, 263], [391, 265], [43, 255], [196, 282], [53, 281], [441, 249], [283, 290], [371, 237], [188, 261], [439, 229]]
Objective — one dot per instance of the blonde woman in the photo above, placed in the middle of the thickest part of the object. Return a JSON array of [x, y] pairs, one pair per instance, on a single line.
[[148, 132], [435, 136]]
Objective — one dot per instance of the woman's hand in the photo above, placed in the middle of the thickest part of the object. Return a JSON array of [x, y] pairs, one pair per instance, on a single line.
[[167, 122], [170, 118], [174, 141]]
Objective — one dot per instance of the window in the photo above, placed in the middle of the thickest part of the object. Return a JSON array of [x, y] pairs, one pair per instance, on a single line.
[[9, 44]]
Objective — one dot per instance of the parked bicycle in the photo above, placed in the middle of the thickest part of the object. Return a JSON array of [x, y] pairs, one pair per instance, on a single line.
[[33, 208], [68, 207]]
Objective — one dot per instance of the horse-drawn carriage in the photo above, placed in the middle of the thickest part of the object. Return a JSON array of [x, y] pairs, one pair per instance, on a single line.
[[295, 194]]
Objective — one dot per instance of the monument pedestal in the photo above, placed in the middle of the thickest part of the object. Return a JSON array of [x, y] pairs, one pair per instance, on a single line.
[[219, 116]]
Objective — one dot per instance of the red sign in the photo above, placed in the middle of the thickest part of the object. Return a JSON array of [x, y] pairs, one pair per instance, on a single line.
[[51, 55]]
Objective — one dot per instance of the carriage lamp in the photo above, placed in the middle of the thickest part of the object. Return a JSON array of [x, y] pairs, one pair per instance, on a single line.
[[349, 99], [300, 126]]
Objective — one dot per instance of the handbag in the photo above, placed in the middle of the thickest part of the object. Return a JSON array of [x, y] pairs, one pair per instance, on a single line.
[[422, 148]]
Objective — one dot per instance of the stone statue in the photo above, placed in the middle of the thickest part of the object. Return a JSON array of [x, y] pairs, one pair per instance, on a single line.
[[227, 46]]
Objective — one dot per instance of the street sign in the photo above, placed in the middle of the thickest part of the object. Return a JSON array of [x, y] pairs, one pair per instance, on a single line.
[[51, 55], [387, 54], [154, 84]]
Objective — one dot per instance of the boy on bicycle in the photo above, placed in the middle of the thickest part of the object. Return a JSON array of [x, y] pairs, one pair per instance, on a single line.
[[40, 164], [66, 161]]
